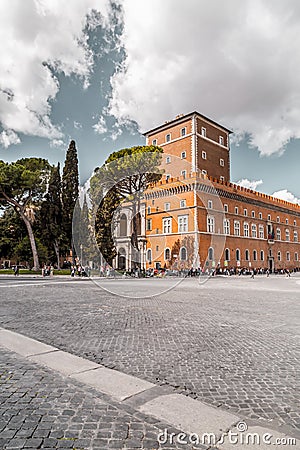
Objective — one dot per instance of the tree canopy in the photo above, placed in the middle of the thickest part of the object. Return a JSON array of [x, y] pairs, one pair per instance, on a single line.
[[22, 184], [125, 175]]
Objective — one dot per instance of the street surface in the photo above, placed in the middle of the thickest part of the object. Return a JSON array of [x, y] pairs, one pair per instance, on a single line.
[[231, 342]]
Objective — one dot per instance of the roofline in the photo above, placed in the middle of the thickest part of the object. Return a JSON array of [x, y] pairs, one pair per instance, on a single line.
[[183, 118]]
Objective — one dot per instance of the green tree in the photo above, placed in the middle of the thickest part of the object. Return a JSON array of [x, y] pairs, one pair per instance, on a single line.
[[50, 217], [125, 176], [70, 191], [12, 231], [103, 225], [22, 185], [22, 251]]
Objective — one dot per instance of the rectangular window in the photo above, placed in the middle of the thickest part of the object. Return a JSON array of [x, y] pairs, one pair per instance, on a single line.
[[278, 234], [203, 132], [296, 256], [167, 225], [210, 224], [246, 229], [149, 224], [183, 155], [167, 206], [183, 131], [221, 140], [287, 235], [168, 137], [168, 159], [182, 203], [237, 230], [261, 232], [295, 236], [182, 224], [236, 210], [210, 204], [288, 256], [221, 162], [203, 155], [226, 226], [253, 230], [154, 142]]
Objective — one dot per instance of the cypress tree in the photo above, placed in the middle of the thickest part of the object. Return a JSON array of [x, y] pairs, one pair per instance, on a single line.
[[70, 191], [51, 216]]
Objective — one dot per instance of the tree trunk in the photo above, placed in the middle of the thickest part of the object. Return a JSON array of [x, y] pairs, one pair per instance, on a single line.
[[56, 249], [36, 264]]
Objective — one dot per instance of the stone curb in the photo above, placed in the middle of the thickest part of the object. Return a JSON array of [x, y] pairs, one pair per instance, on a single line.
[[181, 412]]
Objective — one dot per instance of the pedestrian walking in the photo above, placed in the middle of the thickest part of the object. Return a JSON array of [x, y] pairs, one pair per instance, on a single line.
[[16, 270]]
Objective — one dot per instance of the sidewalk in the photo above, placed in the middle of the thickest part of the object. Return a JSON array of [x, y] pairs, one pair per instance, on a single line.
[[53, 399]]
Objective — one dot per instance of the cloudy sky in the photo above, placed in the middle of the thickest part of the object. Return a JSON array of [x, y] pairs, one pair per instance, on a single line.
[[103, 73]]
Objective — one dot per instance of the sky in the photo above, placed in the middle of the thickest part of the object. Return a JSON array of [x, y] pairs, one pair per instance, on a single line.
[[103, 73]]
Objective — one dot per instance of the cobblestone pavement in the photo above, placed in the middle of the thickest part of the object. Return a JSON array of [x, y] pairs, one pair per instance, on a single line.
[[232, 343], [41, 409]]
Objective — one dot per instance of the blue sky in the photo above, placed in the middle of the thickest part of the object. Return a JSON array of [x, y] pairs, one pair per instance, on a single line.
[[106, 74]]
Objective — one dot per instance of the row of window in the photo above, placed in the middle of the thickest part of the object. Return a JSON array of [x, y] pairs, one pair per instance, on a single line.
[[254, 255], [221, 160], [183, 132], [169, 159], [227, 257], [167, 254], [167, 206], [245, 212], [246, 230], [167, 224]]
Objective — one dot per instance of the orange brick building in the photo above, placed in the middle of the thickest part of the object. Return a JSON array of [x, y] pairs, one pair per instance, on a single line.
[[195, 217]]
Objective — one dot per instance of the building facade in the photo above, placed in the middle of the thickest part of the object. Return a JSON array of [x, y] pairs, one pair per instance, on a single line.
[[195, 217]]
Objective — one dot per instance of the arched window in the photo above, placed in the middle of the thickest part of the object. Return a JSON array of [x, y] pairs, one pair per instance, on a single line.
[[210, 254], [227, 254], [183, 254], [247, 255], [279, 256], [149, 255], [254, 255], [238, 254], [262, 255], [167, 254], [123, 225]]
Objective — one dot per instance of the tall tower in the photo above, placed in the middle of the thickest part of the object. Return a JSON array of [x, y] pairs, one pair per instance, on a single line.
[[195, 139]]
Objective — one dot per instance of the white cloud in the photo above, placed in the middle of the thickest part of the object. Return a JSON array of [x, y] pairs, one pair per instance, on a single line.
[[249, 184], [284, 194], [57, 143], [100, 127], [9, 137], [237, 62], [77, 125], [38, 36]]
